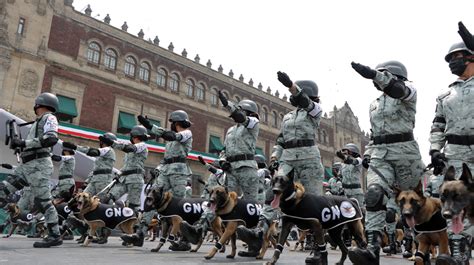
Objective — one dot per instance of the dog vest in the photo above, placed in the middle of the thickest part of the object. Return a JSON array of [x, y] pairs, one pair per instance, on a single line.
[[23, 218], [110, 215], [436, 224], [63, 211], [245, 211], [189, 210], [330, 211]]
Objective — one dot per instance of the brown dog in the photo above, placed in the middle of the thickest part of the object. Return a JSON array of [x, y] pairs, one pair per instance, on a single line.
[[19, 219], [99, 215], [424, 216], [232, 212]]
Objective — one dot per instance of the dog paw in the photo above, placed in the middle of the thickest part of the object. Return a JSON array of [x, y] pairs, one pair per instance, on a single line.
[[193, 250], [230, 256], [259, 257], [208, 257]]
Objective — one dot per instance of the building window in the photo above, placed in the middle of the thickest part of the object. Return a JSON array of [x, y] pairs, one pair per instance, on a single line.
[[215, 144], [174, 82], [67, 110], [190, 88], [325, 137], [200, 92], [21, 26], [265, 115], [130, 65], [214, 97], [93, 53], [110, 59], [126, 121], [144, 72], [275, 119], [161, 77]]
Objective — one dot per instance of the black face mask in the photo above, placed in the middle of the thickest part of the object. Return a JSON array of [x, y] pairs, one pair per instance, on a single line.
[[173, 127], [458, 65]]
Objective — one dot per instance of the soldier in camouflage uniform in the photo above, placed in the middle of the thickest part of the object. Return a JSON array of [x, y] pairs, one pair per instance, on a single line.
[[335, 182], [236, 160], [395, 159], [453, 134], [66, 184], [104, 162], [433, 185], [216, 173], [36, 168], [295, 149], [351, 172]]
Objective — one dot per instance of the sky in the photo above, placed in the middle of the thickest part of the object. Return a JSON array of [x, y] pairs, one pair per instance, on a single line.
[[314, 40]]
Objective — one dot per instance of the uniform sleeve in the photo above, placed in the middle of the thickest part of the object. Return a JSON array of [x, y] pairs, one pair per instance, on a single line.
[[103, 151], [50, 130], [141, 147], [394, 87], [157, 130], [184, 136], [437, 133], [278, 147], [251, 122], [66, 158]]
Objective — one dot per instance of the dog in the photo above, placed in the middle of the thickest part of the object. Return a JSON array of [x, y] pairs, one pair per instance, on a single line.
[[173, 211], [233, 212], [424, 216], [457, 197], [315, 213], [99, 215], [22, 220]]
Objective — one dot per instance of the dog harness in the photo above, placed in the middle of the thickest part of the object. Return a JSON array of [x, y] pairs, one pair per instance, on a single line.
[[23, 218], [436, 224], [110, 215], [188, 209], [330, 211], [63, 211], [245, 211]]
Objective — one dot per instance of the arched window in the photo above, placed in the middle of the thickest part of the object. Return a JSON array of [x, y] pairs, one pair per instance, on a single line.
[[110, 59], [173, 83], [214, 98], [189, 88], [130, 66], [200, 91], [144, 72], [161, 77], [325, 137], [93, 53], [265, 115], [275, 119]]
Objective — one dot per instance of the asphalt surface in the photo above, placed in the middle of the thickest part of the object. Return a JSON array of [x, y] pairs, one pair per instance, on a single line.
[[19, 250]]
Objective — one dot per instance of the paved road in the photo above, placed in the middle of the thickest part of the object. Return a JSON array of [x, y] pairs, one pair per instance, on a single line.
[[19, 250]]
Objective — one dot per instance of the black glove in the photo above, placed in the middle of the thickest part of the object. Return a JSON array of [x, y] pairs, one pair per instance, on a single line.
[[17, 143], [56, 158], [223, 99], [202, 160], [169, 136], [70, 145], [466, 36], [364, 71], [273, 167], [365, 162], [145, 122], [437, 158], [7, 166], [341, 155], [106, 140], [225, 165], [284, 79]]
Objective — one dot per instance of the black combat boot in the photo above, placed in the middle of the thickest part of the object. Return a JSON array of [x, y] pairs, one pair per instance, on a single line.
[[392, 245], [407, 245], [314, 258], [181, 245], [370, 254], [137, 239], [53, 239], [460, 247], [309, 242], [192, 233], [253, 238]]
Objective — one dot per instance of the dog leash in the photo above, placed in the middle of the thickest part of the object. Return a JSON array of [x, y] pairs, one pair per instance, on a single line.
[[108, 187]]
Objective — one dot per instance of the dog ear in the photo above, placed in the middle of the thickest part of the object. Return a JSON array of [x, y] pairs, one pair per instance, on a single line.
[[419, 189], [396, 190], [450, 174], [466, 176]]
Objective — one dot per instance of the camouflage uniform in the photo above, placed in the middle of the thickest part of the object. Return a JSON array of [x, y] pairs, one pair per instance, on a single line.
[[351, 176], [434, 183], [174, 171], [66, 174], [102, 172], [131, 179], [300, 126], [335, 186]]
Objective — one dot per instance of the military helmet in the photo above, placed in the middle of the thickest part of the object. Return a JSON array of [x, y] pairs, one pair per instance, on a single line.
[[47, 100], [248, 105], [352, 147], [457, 47], [337, 165], [110, 136], [179, 115], [394, 67], [309, 87], [139, 131], [260, 159]]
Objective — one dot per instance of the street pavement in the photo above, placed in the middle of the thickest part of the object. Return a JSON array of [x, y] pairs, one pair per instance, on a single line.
[[19, 250]]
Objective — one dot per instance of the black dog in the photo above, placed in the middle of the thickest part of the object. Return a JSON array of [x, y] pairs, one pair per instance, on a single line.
[[316, 213]]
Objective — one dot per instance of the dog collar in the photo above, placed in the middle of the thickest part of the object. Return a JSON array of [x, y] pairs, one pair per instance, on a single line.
[[291, 196]]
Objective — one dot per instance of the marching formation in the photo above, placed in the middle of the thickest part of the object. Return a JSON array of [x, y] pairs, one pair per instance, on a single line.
[[245, 198]]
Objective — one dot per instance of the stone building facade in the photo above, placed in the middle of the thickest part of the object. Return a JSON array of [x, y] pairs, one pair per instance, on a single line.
[[106, 76]]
